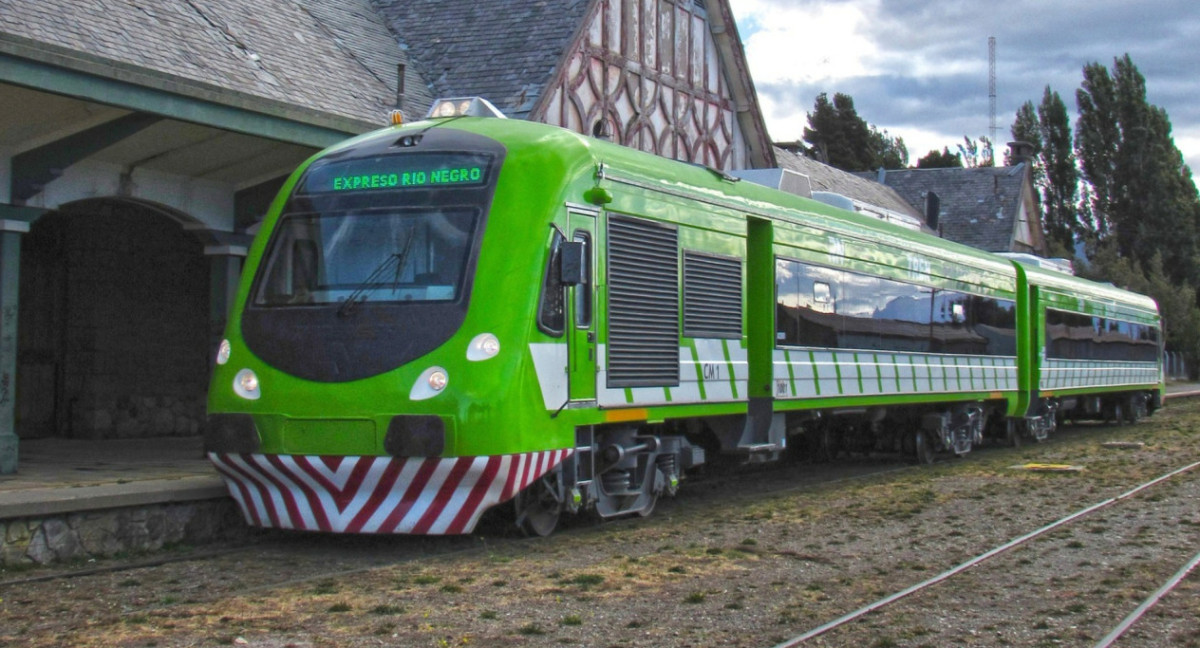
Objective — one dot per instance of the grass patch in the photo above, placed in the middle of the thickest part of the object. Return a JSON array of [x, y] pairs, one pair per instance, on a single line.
[[586, 581], [572, 620]]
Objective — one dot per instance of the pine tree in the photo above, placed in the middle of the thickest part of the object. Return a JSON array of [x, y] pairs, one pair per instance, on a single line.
[[1097, 136], [940, 160], [1026, 128], [1142, 193], [1060, 186], [837, 136]]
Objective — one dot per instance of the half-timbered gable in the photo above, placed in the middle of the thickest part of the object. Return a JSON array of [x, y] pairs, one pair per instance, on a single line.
[[664, 76]]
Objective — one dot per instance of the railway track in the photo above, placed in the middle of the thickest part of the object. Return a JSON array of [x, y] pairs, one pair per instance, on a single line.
[[1003, 548], [282, 561]]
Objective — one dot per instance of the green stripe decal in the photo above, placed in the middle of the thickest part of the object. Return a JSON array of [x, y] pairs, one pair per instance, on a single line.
[[699, 371], [837, 371], [812, 362], [729, 368], [787, 358], [858, 369]]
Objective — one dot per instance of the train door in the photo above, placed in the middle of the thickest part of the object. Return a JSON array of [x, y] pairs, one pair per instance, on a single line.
[[581, 327]]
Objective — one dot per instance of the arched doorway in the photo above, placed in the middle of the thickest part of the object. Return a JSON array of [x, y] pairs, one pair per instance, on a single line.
[[114, 324]]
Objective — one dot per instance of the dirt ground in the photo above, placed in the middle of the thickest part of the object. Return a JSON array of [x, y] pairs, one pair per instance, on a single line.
[[749, 559]]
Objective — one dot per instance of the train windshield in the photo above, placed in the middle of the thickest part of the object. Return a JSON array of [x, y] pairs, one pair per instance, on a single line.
[[375, 255]]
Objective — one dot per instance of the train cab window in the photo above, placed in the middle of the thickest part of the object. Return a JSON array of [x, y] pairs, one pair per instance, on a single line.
[[551, 317], [583, 291]]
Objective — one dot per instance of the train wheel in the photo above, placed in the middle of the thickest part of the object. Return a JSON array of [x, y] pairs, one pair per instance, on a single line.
[[1118, 413], [538, 508], [924, 447], [1135, 409]]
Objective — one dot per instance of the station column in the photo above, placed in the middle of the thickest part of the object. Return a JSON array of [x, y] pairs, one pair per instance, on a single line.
[[10, 276], [226, 264]]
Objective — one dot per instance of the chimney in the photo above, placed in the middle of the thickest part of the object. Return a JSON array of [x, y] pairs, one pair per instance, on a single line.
[[1020, 152]]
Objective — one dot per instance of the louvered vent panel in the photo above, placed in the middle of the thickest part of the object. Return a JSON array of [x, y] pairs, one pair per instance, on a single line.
[[643, 295], [712, 296]]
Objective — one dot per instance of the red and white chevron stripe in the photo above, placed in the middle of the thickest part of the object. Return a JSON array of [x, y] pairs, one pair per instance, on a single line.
[[417, 495]]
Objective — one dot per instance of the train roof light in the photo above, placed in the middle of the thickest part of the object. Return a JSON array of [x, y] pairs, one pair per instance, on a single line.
[[463, 107]]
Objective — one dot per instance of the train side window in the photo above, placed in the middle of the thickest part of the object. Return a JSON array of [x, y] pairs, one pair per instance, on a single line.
[[551, 318], [583, 291], [787, 302]]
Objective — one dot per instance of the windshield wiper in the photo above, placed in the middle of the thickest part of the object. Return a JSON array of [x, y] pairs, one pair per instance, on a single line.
[[394, 261]]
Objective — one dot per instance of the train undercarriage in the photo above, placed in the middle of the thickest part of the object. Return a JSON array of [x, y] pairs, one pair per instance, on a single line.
[[622, 470]]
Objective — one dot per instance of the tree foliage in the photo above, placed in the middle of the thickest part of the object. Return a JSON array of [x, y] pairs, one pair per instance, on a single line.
[[1143, 199], [1048, 129], [837, 136], [977, 153], [940, 160]]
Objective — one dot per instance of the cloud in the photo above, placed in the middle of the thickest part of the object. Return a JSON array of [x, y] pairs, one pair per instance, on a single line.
[[920, 69]]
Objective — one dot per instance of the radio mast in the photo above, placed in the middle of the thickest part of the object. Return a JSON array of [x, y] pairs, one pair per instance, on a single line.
[[992, 128]]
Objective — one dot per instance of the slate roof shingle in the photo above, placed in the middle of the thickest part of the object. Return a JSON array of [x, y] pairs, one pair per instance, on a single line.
[[979, 207], [861, 188], [333, 56], [526, 40]]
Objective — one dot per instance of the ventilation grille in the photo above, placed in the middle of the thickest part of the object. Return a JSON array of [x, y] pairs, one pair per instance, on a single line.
[[712, 296], [643, 290]]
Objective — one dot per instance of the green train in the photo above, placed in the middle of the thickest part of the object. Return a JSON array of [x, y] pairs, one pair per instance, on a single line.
[[444, 316]]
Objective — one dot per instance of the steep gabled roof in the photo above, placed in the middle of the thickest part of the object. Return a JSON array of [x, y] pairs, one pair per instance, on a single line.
[[330, 56], [826, 178], [503, 50], [979, 207]]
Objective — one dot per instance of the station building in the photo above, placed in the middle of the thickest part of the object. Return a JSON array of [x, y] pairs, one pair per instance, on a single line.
[[141, 142]]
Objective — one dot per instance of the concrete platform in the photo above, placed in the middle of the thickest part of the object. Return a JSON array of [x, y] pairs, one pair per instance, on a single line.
[[73, 499], [68, 476]]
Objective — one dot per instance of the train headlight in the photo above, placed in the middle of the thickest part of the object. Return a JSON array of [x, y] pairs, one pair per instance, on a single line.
[[245, 384], [223, 351], [430, 383], [483, 347]]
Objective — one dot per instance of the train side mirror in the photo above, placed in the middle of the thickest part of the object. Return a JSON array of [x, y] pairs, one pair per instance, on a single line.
[[571, 268]]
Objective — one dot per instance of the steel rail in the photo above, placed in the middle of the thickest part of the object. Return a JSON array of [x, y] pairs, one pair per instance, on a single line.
[[844, 619], [1133, 617]]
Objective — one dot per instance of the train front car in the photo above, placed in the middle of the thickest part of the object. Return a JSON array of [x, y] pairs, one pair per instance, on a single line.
[[1096, 352], [370, 379]]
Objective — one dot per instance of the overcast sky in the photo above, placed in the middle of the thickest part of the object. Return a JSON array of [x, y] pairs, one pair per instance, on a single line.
[[919, 69]]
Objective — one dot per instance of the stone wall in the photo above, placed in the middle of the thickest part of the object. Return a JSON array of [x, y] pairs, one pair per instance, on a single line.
[[96, 534]]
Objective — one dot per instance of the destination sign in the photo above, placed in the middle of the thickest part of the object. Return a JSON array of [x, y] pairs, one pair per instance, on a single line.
[[391, 172]]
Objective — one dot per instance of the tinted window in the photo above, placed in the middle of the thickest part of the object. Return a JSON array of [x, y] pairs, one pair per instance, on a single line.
[[818, 306], [1075, 336]]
